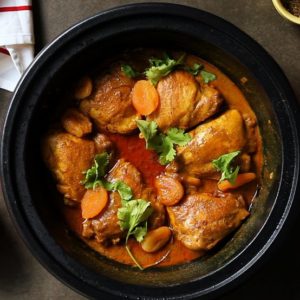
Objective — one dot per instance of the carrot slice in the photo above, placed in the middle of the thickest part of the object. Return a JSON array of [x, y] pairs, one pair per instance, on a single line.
[[93, 202], [145, 97], [241, 179]]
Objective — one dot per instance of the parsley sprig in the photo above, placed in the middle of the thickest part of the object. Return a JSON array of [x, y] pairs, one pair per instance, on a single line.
[[163, 144], [223, 164]]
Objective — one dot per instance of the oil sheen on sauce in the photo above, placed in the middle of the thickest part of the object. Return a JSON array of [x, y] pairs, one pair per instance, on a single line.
[[133, 150]]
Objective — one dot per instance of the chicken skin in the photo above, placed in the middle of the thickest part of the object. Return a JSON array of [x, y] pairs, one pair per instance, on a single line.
[[109, 106], [183, 102], [105, 227], [201, 220], [68, 156], [209, 141]]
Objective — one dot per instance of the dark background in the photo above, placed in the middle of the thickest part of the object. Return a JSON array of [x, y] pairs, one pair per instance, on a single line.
[[22, 277]]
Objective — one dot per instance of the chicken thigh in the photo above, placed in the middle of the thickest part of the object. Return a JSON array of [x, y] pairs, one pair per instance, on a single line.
[[68, 156], [201, 220], [183, 102], [110, 103], [209, 141]]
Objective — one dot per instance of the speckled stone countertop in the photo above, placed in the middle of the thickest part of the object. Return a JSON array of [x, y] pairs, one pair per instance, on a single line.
[[22, 277]]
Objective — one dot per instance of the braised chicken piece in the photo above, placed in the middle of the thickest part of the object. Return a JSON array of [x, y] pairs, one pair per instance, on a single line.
[[106, 226], [109, 105], [201, 220], [209, 141], [76, 123], [183, 102], [68, 156]]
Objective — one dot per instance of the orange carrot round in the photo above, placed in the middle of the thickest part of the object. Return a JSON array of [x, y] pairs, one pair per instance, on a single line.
[[145, 97], [241, 179], [93, 202]]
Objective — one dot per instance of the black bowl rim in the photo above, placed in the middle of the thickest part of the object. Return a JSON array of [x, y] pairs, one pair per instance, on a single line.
[[276, 75]]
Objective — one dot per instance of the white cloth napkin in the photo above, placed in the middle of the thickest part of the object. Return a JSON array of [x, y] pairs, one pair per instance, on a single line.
[[16, 41]]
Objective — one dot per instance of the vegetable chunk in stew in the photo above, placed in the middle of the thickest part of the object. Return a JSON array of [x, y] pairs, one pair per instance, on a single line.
[[157, 158]]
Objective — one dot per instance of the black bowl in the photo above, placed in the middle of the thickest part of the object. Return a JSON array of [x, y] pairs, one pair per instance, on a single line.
[[29, 197]]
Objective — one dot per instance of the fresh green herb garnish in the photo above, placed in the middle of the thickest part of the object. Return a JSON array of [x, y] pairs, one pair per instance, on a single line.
[[178, 137], [165, 150], [133, 217], [97, 171], [207, 76], [161, 67], [163, 144], [121, 187], [129, 71], [194, 70], [95, 177], [223, 164], [148, 130]]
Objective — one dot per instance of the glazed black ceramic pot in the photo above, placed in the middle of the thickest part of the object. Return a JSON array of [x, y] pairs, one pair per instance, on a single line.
[[37, 97]]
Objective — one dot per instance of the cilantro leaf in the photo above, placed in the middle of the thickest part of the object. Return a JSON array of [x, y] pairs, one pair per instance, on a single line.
[[133, 217], [167, 153], [129, 71], [207, 76], [148, 130], [140, 232], [124, 190], [121, 187], [132, 213], [161, 67], [163, 144], [94, 177], [97, 171], [177, 136], [223, 164], [194, 70]]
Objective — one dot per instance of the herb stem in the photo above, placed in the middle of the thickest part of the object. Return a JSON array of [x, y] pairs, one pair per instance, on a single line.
[[132, 257]]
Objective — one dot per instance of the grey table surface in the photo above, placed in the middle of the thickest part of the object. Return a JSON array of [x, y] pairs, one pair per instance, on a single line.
[[22, 277]]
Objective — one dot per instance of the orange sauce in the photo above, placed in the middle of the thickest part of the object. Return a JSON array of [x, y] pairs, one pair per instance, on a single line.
[[176, 252], [132, 149]]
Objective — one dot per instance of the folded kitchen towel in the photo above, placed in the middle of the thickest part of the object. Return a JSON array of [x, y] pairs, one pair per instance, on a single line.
[[16, 41]]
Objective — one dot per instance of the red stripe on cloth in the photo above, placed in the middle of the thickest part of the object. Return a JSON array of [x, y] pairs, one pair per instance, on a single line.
[[4, 51], [15, 8]]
